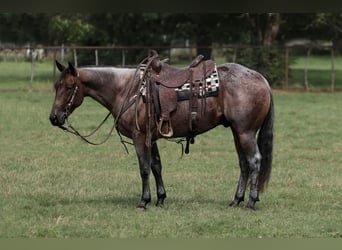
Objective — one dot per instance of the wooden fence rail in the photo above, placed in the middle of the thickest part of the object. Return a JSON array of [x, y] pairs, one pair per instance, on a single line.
[[22, 53]]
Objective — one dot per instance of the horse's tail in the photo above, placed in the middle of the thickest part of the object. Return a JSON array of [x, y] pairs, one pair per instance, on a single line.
[[265, 144]]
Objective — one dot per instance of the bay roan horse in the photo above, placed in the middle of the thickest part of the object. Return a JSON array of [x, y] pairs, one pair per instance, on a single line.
[[244, 103]]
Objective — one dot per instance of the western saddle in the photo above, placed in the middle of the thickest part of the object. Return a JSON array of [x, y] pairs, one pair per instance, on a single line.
[[167, 78]]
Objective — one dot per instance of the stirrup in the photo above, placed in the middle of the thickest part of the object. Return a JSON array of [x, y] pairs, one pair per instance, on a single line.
[[160, 126]]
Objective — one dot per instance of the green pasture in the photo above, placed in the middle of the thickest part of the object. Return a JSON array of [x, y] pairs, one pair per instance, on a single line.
[[17, 76], [319, 72], [52, 185]]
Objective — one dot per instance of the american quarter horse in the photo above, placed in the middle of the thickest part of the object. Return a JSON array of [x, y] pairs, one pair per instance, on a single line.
[[244, 103]]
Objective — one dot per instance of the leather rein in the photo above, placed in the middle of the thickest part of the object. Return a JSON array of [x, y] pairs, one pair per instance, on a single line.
[[124, 107], [74, 131]]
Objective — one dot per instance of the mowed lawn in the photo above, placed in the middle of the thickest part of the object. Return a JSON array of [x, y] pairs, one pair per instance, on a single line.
[[319, 73], [54, 185]]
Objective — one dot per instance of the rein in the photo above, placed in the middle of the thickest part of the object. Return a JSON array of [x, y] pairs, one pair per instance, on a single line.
[[74, 131], [124, 107]]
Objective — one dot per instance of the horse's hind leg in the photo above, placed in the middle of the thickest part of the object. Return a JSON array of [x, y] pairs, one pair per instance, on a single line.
[[249, 160], [242, 184], [157, 172]]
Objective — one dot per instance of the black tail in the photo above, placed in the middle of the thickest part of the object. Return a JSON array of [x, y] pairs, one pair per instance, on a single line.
[[265, 144]]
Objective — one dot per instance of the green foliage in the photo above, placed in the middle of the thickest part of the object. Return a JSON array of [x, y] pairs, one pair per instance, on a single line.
[[70, 31], [268, 61]]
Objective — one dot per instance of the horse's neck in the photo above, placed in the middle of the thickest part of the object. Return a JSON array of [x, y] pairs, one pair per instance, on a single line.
[[107, 85]]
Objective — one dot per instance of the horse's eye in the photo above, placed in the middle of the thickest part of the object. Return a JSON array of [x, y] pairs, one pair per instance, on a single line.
[[69, 86]]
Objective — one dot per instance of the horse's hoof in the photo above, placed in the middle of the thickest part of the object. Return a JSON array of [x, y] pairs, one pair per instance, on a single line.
[[235, 203], [251, 206], [160, 204], [141, 208]]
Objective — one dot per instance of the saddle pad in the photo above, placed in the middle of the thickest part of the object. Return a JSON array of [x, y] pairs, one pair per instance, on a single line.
[[209, 88]]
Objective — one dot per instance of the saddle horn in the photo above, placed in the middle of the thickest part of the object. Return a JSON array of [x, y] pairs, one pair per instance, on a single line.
[[155, 61]]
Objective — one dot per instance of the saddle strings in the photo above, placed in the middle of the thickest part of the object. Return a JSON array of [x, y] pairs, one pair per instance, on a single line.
[[132, 100], [122, 110]]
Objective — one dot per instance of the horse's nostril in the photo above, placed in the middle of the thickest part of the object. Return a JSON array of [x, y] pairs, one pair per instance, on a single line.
[[54, 120]]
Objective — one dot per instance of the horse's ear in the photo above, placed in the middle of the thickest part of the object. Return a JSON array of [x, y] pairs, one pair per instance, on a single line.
[[60, 66], [72, 68]]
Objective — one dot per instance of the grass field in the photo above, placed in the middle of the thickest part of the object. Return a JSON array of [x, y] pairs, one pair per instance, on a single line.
[[55, 186], [319, 73]]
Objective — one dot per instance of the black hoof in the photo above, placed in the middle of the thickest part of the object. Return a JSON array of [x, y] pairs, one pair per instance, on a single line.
[[251, 205], [160, 203], [142, 205], [249, 208], [236, 202], [141, 208]]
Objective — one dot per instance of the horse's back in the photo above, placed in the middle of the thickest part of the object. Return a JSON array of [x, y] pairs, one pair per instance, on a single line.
[[245, 95]]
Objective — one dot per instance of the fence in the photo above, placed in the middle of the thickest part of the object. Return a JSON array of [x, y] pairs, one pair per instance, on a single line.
[[304, 66]]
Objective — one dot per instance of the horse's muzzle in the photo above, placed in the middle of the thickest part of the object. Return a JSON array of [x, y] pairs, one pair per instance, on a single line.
[[57, 120]]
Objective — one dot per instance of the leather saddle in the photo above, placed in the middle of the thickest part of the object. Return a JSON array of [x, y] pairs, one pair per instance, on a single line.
[[168, 78], [172, 77]]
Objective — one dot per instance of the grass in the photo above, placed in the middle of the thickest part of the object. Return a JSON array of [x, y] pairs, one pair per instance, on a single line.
[[52, 185], [16, 76], [319, 73]]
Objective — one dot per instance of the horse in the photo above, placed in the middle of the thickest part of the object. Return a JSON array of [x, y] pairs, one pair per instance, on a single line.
[[244, 104]]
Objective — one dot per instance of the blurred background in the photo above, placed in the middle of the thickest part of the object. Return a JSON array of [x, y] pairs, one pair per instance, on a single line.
[[297, 51]]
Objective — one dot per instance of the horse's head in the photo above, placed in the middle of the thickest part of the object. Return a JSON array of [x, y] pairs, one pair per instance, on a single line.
[[68, 94]]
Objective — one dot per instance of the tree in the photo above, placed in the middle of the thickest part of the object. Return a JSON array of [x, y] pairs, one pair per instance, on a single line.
[[264, 28], [202, 29], [23, 28], [328, 26], [263, 56], [71, 29]]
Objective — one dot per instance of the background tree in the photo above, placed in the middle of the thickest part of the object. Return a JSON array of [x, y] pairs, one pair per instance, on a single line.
[[328, 26], [261, 56], [24, 28], [258, 33]]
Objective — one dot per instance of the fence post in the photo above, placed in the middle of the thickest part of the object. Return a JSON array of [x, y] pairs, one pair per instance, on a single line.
[[286, 68], [123, 57], [75, 58], [332, 86], [32, 71], [54, 65], [96, 58], [62, 52], [306, 81]]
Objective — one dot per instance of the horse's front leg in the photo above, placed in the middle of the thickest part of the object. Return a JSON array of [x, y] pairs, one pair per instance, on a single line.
[[157, 172], [145, 169]]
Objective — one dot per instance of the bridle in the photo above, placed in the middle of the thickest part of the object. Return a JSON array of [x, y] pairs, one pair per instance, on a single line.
[[72, 130], [124, 107], [71, 101]]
